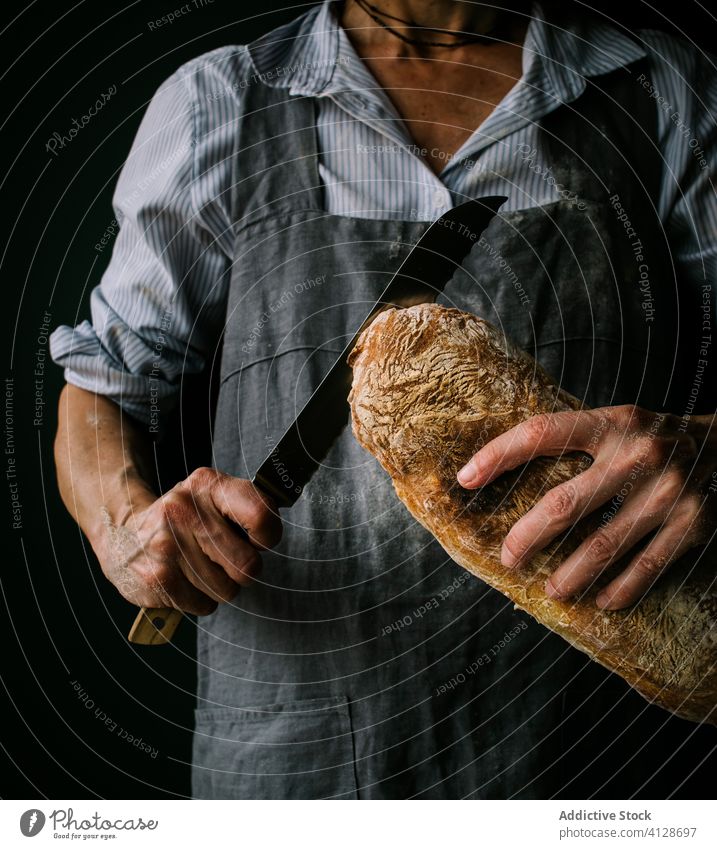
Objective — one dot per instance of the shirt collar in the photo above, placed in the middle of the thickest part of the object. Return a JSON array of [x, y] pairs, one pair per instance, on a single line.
[[562, 51], [311, 56], [301, 55]]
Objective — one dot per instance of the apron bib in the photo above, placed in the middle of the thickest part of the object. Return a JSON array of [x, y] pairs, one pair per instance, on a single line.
[[364, 663]]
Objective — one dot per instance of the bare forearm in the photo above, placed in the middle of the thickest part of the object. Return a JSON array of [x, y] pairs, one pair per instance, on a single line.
[[103, 461]]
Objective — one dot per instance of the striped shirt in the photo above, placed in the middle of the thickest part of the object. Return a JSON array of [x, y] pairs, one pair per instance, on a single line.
[[159, 308]]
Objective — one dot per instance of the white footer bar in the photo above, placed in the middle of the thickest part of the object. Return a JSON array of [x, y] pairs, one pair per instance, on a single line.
[[352, 825]]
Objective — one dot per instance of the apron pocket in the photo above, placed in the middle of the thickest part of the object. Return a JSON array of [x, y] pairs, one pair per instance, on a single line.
[[292, 750]]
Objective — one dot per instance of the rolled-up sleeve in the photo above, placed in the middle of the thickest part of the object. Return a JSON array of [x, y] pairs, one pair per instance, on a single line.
[[158, 310]]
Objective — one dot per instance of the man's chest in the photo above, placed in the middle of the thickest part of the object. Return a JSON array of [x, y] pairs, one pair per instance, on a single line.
[[441, 107]]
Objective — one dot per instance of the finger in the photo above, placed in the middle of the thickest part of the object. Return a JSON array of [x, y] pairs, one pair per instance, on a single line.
[[637, 517], [559, 509], [228, 547], [165, 585], [184, 596], [205, 575], [669, 544], [548, 434], [240, 501]]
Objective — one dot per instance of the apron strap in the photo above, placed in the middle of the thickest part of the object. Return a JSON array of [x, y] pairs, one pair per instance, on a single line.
[[614, 114], [276, 138]]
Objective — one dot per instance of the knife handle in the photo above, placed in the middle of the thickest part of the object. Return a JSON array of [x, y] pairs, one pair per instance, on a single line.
[[155, 626]]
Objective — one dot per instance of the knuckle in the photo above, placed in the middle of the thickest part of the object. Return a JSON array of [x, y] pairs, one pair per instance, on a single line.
[[625, 414], [669, 489], [254, 513], [601, 546], [178, 510], [561, 502], [649, 566], [540, 427], [201, 479]]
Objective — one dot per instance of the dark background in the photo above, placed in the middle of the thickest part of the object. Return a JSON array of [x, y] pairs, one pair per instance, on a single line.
[[65, 626]]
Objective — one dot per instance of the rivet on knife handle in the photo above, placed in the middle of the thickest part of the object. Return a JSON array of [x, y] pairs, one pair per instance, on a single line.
[[155, 626]]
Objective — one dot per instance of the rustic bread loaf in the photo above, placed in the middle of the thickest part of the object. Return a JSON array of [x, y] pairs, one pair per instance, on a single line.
[[430, 386]]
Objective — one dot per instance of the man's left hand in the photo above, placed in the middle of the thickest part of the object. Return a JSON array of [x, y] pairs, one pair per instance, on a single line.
[[658, 470]]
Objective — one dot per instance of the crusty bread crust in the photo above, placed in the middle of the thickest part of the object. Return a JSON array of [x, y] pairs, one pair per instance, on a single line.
[[431, 385]]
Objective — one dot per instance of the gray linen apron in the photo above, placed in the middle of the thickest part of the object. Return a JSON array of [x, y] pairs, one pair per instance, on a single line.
[[364, 663]]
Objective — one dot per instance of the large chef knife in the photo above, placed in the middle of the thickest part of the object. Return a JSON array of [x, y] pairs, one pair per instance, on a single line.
[[283, 475]]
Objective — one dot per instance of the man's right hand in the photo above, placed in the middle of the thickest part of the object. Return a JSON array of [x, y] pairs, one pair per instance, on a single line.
[[187, 549]]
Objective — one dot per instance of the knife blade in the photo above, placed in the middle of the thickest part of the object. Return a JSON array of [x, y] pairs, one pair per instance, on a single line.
[[420, 278]]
